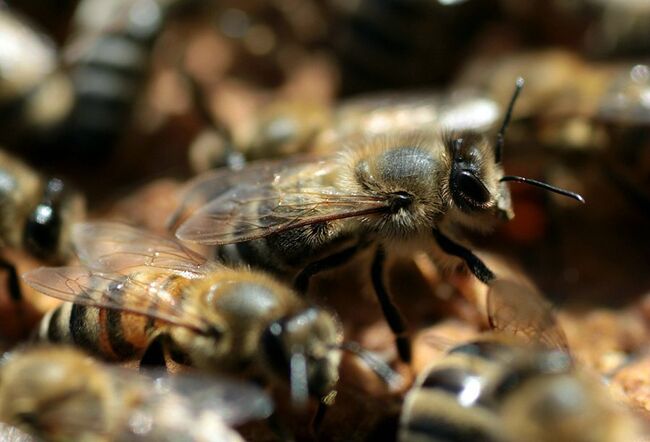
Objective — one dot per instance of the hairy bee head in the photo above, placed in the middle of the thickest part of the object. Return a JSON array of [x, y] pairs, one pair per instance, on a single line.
[[305, 346], [425, 178], [477, 198]]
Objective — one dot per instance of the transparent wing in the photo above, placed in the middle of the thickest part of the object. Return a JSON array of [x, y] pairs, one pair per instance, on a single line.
[[233, 401], [13, 434], [518, 309], [210, 185], [115, 247], [247, 213], [135, 293]]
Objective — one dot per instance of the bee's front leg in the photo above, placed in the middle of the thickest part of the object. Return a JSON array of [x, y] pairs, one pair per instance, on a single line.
[[473, 262]]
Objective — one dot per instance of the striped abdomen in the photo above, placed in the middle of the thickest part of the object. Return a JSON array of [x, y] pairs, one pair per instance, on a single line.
[[112, 334], [459, 398]]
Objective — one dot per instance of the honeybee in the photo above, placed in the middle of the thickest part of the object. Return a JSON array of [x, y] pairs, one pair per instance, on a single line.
[[392, 44], [499, 390], [139, 289], [296, 127], [108, 58], [35, 94], [37, 215], [60, 393], [298, 217]]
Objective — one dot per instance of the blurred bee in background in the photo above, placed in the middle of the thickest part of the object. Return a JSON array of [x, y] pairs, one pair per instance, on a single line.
[[600, 28], [298, 127], [37, 213], [78, 103], [497, 389], [59, 393], [387, 44], [36, 95], [140, 291], [296, 218], [108, 56]]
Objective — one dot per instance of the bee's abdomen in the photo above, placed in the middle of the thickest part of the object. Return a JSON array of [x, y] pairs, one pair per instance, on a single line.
[[109, 333], [447, 406]]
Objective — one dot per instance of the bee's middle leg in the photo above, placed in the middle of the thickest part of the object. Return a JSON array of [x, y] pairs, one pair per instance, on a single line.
[[301, 283], [392, 314], [13, 283]]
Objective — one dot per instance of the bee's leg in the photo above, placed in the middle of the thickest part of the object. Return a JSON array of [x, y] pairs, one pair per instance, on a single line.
[[473, 262], [319, 416], [392, 314], [301, 283], [154, 355], [13, 283]]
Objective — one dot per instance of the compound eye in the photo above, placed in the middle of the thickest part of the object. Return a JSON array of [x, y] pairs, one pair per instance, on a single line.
[[469, 191]]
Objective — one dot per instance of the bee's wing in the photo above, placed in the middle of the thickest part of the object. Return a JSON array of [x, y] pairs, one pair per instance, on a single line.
[[518, 309], [115, 247], [235, 402], [13, 434], [286, 198], [247, 213], [210, 185], [129, 293]]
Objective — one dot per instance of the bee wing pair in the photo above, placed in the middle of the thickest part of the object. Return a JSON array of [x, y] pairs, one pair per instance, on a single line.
[[266, 198], [118, 261]]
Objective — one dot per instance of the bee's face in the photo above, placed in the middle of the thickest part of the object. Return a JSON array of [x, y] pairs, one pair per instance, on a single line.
[[478, 199], [314, 334], [428, 180]]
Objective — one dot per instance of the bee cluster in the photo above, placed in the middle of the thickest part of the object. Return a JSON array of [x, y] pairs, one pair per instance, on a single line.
[[295, 220]]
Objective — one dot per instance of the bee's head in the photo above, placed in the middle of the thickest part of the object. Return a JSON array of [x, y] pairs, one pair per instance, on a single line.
[[476, 183], [304, 348], [478, 199]]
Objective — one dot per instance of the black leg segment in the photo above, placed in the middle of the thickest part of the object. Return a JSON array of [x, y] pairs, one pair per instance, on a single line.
[[391, 313], [13, 284], [474, 263], [301, 283]]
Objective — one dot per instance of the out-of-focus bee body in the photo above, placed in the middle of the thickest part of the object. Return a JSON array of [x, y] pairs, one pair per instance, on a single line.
[[287, 128], [212, 317], [496, 391], [37, 214], [59, 393], [108, 56], [394, 43], [35, 94]]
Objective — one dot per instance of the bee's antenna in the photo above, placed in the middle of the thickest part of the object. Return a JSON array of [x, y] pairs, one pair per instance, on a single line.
[[498, 147], [390, 377], [298, 381], [545, 186]]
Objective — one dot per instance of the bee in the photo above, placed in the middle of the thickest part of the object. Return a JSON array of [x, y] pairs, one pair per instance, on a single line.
[[391, 44], [37, 215], [139, 290], [298, 127], [298, 217], [108, 57], [35, 93], [495, 389], [60, 393]]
